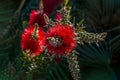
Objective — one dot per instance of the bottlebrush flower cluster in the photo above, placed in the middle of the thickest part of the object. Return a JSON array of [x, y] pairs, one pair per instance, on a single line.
[[57, 37], [60, 38]]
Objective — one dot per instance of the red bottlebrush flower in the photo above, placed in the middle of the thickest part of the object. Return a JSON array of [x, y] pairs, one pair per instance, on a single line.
[[58, 17], [60, 39], [33, 41], [50, 5], [37, 17]]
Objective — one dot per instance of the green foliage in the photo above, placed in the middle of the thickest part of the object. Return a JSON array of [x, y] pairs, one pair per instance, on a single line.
[[6, 13], [104, 14], [98, 73], [98, 60]]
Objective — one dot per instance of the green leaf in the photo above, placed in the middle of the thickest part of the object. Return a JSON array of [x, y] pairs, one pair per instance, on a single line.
[[7, 12], [114, 43], [98, 73], [66, 2], [93, 55]]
